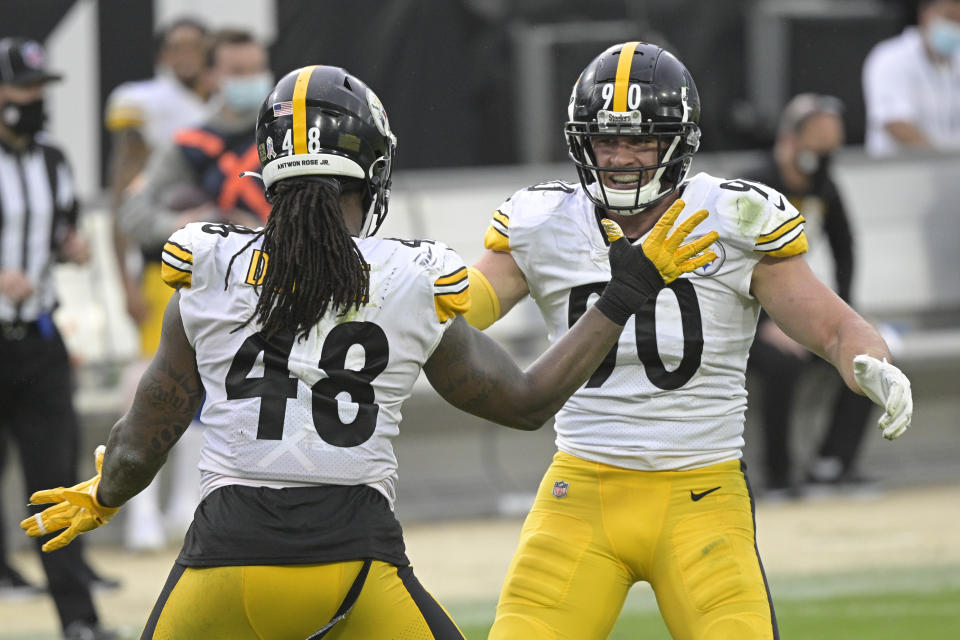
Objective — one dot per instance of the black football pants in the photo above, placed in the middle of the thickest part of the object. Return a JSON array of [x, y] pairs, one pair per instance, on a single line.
[[38, 417], [779, 374]]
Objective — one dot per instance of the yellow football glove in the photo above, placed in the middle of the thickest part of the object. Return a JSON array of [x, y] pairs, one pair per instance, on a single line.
[[638, 273], [665, 252], [76, 508]]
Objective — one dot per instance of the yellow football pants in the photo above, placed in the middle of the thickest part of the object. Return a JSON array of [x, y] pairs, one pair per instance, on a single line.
[[293, 601], [594, 530]]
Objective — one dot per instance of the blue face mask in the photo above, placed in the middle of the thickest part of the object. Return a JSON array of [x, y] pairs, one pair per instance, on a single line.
[[944, 36], [246, 93]]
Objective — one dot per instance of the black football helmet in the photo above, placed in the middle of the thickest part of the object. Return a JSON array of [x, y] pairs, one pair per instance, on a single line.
[[634, 89], [322, 121]]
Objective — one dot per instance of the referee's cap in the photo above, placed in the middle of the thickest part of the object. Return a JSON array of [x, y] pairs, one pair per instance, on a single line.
[[24, 62]]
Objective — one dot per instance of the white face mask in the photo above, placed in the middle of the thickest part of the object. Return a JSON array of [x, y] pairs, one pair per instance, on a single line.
[[944, 36], [244, 94]]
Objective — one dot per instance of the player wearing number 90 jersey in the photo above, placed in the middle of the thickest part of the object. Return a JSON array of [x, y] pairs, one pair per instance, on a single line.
[[695, 336], [647, 483]]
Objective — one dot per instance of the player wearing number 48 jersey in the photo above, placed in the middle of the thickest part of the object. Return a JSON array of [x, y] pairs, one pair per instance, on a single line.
[[306, 337], [647, 483]]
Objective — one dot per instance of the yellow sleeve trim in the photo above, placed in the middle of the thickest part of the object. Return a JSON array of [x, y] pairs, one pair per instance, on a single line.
[[782, 230], [495, 240], [453, 278], [175, 277], [485, 306], [449, 305], [795, 247], [497, 237], [178, 252]]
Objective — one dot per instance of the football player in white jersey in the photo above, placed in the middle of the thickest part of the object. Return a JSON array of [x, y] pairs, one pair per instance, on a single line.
[[306, 337], [647, 482]]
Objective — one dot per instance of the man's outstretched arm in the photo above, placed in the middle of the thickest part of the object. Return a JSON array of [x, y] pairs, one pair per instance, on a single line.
[[167, 398]]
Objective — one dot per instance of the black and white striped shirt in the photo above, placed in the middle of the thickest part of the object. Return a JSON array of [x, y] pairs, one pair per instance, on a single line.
[[38, 208]]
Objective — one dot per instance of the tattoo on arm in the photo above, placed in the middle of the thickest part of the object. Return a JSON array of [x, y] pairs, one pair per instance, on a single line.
[[166, 401], [168, 396]]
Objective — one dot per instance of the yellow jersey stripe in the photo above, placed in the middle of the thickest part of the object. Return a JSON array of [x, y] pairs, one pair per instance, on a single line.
[[300, 110], [449, 305], [178, 252], [622, 84], [782, 230], [793, 248], [501, 218], [452, 278], [496, 240], [174, 277]]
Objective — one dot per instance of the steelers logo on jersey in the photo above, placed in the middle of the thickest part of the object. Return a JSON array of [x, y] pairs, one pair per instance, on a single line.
[[711, 268]]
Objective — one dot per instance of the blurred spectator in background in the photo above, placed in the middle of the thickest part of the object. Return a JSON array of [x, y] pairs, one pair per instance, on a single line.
[[143, 117], [911, 84], [38, 227], [811, 128], [196, 179]]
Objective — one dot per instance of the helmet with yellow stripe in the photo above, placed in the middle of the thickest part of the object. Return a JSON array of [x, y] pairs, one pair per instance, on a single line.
[[639, 90], [323, 121]]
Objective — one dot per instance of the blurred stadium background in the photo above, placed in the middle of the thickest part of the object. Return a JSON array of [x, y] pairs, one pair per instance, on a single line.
[[476, 91]]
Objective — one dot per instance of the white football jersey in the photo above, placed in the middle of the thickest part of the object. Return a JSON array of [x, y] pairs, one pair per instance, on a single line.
[[671, 395], [321, 410], [158, 107]]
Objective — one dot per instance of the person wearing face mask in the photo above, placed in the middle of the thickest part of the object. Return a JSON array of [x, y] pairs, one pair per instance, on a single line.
[[142, 117], [199, 172], [38, 228], [196, 178], [810, 130], [911, 84]]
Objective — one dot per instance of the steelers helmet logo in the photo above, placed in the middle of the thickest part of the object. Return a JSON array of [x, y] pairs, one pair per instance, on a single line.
[[711, 268], [378, 112]]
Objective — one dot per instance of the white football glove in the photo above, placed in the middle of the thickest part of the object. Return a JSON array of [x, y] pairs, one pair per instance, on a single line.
[[888, 387]]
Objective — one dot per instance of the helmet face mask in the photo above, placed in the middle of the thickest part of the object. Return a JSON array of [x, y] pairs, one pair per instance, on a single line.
[[640, 91], [322, 121]]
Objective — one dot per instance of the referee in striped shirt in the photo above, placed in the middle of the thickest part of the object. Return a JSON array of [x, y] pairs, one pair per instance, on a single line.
[[38, 216]]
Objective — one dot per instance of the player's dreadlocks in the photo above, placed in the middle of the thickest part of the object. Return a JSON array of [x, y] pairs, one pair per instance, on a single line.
[[314, 264]]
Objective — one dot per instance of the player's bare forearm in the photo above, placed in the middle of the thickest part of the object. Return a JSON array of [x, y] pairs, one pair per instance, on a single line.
[[906, 133], [475, 374], [167, 398], [854, 336], [506, 278], [812, 314]]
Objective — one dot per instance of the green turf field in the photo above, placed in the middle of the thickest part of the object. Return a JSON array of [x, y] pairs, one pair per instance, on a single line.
[[847, 607], [894, 616]]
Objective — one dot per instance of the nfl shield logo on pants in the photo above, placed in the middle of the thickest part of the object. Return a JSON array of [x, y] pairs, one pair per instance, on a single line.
[[560, 489]]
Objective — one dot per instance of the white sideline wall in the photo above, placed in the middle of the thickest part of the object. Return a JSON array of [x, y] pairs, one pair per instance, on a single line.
[[905, 213]]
